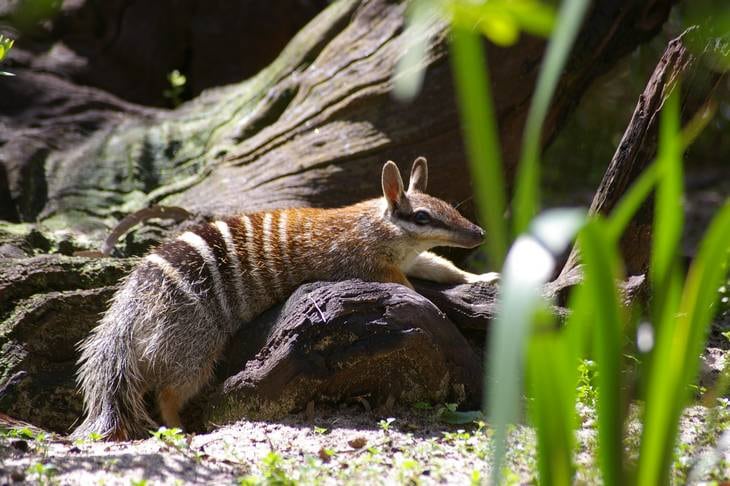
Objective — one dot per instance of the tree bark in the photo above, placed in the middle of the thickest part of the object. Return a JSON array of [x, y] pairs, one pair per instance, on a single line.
[[311, 129]]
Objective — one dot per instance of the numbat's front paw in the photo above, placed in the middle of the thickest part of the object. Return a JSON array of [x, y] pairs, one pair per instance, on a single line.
[[489, 277]]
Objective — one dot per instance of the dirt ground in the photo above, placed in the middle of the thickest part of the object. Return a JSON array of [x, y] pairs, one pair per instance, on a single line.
[[343, 446]]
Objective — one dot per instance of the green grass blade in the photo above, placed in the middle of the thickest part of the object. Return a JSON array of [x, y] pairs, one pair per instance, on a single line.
[[482, 141], [699, 121], [677, 353], [630, 203], [668, 211], [664, 279], [600, 258], [529, 264], [409, 72], [527, 192], [519, 299], [552, 378], [578, 326]]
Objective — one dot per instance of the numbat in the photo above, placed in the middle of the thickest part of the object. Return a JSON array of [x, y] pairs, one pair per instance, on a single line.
[[172, 317]]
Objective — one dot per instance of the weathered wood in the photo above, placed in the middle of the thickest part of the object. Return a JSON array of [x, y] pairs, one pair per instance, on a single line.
[[337, 341], [47, 305], [638, 145], [311, 129]]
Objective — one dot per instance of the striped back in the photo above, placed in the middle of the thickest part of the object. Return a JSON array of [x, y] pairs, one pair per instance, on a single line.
[[238, 266]]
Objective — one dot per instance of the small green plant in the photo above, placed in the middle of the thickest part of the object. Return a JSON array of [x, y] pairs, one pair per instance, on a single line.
[[385, 424], [587, 382], [24, 433], [173, 437], [476, 478], [409, 471], [91, 437], [138, 482], [177, 82], [460, 434], [19, 433], [43, 473], [724, 290], [320, 430], [272, 473], [94, 437], [5, 45], [37, 437]]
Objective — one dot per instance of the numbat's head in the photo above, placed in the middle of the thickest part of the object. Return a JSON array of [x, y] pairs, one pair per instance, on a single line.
[[421, 217]]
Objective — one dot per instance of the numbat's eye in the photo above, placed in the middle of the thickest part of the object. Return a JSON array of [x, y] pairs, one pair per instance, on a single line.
[[421, 217]]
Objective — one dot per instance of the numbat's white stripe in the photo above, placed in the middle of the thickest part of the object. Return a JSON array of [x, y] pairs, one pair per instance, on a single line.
[[308, 234], [201, 246], [269, 252], [172, 274], [283, 246], [253, 258], [235, 263]]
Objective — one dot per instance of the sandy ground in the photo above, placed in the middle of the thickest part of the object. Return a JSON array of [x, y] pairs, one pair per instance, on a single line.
[[346, 446]]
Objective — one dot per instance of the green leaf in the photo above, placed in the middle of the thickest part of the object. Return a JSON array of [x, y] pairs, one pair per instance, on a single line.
[[454, 417], [676, 358], [668, 210], [552, 380], [482, 140], [527, 191], [529, 264], [601, 264], [5, 45], [501, 21], [499, 27]]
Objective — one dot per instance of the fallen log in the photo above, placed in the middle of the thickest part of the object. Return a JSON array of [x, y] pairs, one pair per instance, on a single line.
[[311, 129]]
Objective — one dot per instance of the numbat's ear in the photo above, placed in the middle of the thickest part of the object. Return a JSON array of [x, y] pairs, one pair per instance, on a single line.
[[419, 175], [392, 184]]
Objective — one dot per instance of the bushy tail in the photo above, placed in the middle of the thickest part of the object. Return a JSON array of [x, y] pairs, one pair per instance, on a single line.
[[110, 380]]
